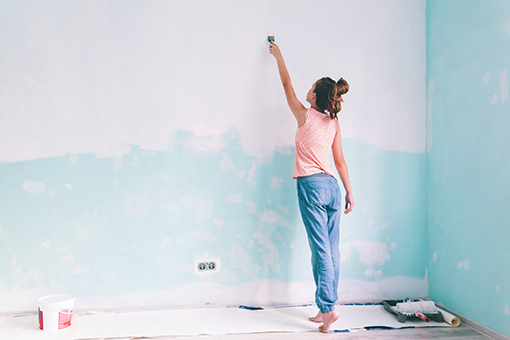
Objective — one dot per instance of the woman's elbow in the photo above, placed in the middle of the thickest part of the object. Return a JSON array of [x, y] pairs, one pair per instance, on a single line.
[[340, 163]]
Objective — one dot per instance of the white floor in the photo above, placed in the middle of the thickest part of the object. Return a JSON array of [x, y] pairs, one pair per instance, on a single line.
[[211, 321]]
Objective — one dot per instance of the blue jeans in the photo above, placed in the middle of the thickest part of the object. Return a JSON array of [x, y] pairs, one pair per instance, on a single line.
[[320, 202]]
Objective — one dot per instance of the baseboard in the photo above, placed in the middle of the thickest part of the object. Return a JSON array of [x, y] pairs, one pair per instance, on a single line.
[[489, 332]]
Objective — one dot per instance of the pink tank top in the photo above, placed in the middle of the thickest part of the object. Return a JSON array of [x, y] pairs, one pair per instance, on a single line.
[[313, 145]]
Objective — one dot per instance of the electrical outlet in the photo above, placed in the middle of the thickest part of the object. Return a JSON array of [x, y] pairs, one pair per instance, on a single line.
[[207, 265]]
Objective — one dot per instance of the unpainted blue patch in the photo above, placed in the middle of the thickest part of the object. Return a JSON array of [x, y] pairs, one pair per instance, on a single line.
[[120, 229]]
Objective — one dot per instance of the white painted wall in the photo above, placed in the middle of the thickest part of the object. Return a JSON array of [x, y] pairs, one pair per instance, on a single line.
[[97, 76]]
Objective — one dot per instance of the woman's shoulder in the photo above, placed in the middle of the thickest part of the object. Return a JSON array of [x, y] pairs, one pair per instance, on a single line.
[[312, 111], [320, 115], [317, 112]]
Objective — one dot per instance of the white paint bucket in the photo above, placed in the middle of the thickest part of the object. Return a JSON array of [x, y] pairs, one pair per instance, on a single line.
[[55, 311]]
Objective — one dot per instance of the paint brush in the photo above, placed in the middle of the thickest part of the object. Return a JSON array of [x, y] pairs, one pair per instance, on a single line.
[[270, 36]]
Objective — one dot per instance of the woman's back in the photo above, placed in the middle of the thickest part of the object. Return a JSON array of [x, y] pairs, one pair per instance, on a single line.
[[313, 145]]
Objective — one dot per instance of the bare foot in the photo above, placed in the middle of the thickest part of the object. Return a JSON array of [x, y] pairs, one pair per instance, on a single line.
[[317, 318], [328, 319]]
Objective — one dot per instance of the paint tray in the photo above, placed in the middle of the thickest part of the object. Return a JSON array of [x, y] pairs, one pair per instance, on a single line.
[[390, 305]]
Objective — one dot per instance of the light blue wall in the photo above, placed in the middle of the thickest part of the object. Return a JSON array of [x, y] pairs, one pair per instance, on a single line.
[[468, 57], [141, 227], [139, 137]]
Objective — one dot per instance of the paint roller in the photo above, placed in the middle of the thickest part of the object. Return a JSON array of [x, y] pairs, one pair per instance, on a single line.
[[418, 309]]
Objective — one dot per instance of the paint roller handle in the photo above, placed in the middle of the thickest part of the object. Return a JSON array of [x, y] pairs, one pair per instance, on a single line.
[[421, 316]]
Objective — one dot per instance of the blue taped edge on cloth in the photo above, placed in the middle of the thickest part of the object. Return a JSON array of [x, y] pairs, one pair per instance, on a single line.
[[261, 308], [381, 328], [250, 307], [377, 328], [307, 305], [362, 304]]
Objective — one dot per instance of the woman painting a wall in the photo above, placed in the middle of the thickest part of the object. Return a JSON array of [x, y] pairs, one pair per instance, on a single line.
[[320, 200]]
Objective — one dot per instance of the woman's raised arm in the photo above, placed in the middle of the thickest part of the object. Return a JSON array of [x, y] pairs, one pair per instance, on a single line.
[[295, 105]]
